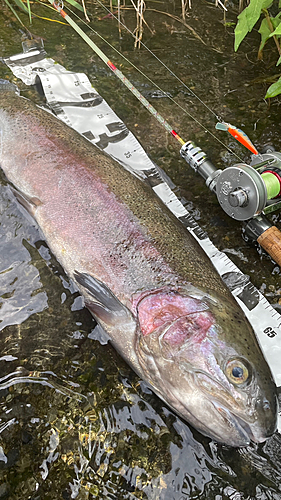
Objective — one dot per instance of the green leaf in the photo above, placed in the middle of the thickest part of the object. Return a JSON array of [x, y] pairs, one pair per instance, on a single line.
[[76, 5], [248, 18], [278, 15], [274, 89], [265, 33], [21, 5], [275, 21], [267, 4], [277, 32], [29, 11], [279, 61]]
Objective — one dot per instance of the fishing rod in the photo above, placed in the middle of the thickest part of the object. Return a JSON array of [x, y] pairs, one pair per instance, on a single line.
[[245, 192], [158, 60], [165, 94]]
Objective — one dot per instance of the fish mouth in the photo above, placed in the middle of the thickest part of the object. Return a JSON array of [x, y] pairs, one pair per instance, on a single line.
[[242, 433]]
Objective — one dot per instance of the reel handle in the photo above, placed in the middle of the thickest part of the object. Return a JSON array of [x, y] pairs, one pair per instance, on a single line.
[[270, 241]]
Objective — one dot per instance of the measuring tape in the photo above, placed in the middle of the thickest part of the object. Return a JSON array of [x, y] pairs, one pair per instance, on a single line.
[[73, 100]]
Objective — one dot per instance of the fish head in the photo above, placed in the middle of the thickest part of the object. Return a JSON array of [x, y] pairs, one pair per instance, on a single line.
[[203, 359]]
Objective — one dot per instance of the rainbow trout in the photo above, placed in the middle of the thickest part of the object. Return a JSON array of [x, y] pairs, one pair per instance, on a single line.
[[142, 275]]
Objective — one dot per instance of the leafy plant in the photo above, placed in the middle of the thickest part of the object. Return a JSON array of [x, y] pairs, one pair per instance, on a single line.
[[24, 6], [270, 28]]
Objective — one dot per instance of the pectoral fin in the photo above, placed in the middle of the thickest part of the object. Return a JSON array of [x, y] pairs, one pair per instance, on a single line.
[[29, 203], [117, 321], [105, 306]]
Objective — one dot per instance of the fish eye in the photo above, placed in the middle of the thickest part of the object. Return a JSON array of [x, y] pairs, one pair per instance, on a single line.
[[237, 372]]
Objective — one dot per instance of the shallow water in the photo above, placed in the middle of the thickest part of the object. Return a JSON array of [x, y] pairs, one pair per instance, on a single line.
[[75, 421]]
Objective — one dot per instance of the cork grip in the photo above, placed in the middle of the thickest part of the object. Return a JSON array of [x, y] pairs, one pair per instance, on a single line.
[[270, 241]]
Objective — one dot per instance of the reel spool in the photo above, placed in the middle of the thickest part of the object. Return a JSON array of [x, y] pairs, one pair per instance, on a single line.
[[248, 193], [244, 191], [241, 192]]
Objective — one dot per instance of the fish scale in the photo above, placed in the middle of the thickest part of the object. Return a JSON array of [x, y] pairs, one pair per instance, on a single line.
[[61, 85], [87, 206]]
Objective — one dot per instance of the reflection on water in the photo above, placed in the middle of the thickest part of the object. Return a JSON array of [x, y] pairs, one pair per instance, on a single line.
[[19, 278], [75, 421]]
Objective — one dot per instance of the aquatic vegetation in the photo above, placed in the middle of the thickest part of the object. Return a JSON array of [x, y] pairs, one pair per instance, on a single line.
[[114, 9]]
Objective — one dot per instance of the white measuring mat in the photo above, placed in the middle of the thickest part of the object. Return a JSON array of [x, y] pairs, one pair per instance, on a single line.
[[73, 99]]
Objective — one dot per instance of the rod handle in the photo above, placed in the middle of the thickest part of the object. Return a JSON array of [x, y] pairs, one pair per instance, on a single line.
[[270, 241]]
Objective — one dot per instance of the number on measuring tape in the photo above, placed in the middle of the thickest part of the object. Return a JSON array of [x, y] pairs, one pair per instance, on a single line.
[[270, 332]]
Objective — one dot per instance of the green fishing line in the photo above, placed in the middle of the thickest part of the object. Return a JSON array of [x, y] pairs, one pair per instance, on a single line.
[[272, 185]]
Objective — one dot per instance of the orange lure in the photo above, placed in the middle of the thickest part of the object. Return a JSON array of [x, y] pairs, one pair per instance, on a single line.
[[238, 134]]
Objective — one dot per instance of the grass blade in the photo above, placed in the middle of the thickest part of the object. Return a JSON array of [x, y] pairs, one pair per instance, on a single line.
[[29, 11], [76, 5], [21, 5]]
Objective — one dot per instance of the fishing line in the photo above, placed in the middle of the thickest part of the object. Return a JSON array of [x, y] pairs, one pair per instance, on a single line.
[[157, 86], [128, 84], [160, 61]]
